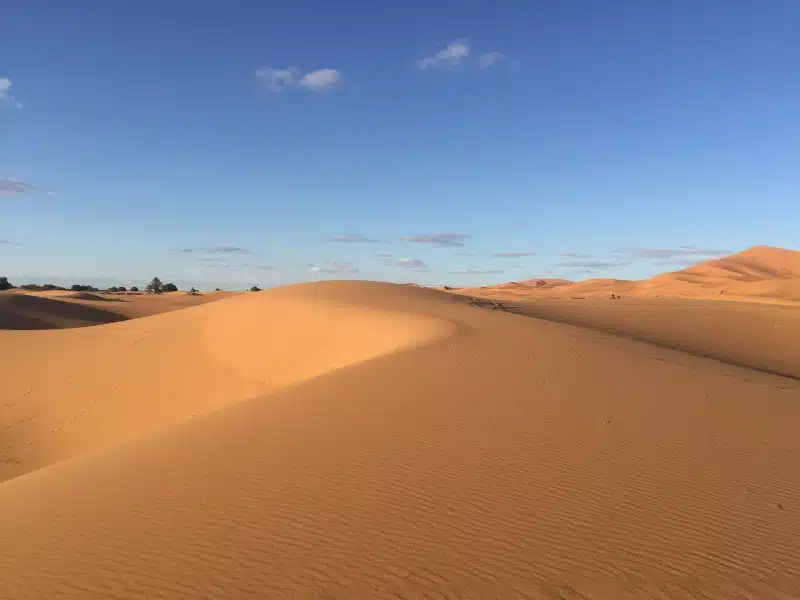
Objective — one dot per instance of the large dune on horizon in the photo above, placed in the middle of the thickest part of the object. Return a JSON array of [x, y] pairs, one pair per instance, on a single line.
[[367, 440], [759, 274]]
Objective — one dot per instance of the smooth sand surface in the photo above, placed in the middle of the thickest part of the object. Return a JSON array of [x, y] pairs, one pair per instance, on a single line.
[[367, 440]]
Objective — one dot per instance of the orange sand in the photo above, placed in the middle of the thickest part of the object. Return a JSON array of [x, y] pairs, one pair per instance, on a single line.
[[368, 440]]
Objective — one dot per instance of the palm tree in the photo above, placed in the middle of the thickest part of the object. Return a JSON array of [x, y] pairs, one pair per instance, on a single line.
[[155, 286]]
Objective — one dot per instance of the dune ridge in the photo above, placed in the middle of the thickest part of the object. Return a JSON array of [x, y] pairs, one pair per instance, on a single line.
[[487, 455], [759, 274], [124, 372]]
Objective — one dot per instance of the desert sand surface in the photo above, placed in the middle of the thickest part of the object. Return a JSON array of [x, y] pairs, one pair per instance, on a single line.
[[63, 309], [761, 274], [370, 440]]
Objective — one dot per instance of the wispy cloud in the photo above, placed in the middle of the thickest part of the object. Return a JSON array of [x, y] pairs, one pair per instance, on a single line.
[[576, 255], [9, 243], [438, 239], [262, 267], [476, 272], [216, 249], [335, 267], [411, 263], [277, 80], [681, 252], [593, 264], [385, 255], [520, 225], [512, 254], [352, 238], [6, 98], [10, 186], [487, 60], [448, 57]]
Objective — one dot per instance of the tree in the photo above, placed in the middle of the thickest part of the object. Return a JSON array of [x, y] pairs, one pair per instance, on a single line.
[[113, 289], [217, 290], [155, 286], [255, 288], [122, 288], [194, 290], [170, 287], [134, 289], [5, 284]]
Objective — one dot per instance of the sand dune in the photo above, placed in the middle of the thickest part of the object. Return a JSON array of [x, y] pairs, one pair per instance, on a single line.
[[364, 440], [24, 311], [62, 310], [760, 274]]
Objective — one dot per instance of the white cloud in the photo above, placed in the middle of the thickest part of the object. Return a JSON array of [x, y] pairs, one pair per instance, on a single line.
[[335, 267], [438, 239], [277, 80], [447, 58], [321, 79], [490, 59], [5, 93]]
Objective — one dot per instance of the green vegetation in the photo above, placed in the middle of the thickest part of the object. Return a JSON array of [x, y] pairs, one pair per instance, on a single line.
[[5, 284]]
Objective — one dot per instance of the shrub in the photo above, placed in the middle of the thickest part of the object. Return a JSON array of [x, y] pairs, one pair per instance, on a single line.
[[170, 287], [134, 289], [155, 286], [5, 284], [255, 288]]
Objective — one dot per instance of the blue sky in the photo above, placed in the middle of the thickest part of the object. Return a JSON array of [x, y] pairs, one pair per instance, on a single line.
[[456, 142]]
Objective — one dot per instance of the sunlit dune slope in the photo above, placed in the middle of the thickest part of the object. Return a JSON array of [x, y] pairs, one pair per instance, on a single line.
[[68, 392], [758, 263], [459, 452], [63, 310], [759, 274], [754, 335]]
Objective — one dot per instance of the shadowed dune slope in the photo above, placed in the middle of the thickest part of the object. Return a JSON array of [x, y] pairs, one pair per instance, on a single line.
[[23, 311], [458, 452], [64, 310]]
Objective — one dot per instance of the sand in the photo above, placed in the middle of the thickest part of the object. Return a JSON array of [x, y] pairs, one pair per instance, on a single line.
[[762, 274], [369, 440], [63, 309]]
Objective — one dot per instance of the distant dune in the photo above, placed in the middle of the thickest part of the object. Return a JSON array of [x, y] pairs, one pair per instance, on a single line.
[[60, 309], [759, 274], [367, 440]]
